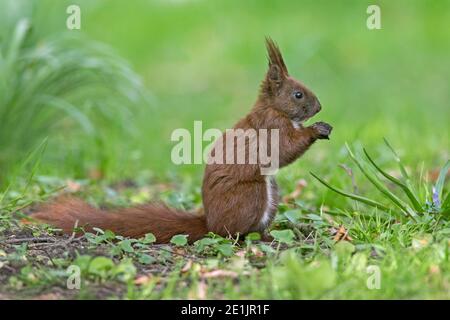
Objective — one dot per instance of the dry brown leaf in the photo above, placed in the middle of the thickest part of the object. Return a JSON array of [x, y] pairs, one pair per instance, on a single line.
[[396, 173], [72, 186], [199, 292], [179, 251], [434, 269], [48, 296], [202, 288], [162, 187], [200, 211], [141, 280], [256, 251], [27, 221], [341, 234], [219, 274], [241, 253], [95, 174], [301, 184], [187, 267], [433, 174]]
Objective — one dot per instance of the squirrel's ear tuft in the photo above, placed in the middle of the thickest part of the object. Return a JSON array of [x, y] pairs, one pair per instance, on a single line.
[[275, 57], [277, 72]]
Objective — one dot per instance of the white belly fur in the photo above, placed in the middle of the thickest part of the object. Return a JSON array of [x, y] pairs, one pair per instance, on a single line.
[[296, 124], [270, 202]]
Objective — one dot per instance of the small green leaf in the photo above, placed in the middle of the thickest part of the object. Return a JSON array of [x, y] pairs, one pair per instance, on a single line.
[[293, 215], [253, 236], [100, 265], [149, 238], [126, 270], [267, 249], [109, 235], [358, 263], [125, 245], [284, 236], [146, 259], [226, 249], [98, 230], [115, 251], [203, 243], [83, 262], [179, 240], [314, 216], [344, 249]]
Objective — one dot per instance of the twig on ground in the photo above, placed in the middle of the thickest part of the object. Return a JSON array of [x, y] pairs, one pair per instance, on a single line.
[[33, 239]]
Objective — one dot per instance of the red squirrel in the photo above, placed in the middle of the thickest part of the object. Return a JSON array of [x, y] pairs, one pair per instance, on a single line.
[[237, 198]]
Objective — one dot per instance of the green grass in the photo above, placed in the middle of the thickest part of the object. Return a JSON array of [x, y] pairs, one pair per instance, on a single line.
[[204, 60], [303, 262], [53, 85]]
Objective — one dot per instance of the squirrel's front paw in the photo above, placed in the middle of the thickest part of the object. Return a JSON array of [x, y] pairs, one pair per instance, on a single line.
[[322, 129]]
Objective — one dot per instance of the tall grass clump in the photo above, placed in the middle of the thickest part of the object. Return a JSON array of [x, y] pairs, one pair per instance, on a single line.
[[412, 205], [52, 86]]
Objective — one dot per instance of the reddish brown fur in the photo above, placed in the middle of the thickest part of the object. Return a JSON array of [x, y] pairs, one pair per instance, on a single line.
[[132, 222], [234, 195]]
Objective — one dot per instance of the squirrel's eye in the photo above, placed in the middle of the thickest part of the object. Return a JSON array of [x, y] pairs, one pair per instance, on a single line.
[[298, 94]]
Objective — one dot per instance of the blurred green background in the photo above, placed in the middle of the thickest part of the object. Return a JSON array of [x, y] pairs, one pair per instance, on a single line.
[[204, 60]]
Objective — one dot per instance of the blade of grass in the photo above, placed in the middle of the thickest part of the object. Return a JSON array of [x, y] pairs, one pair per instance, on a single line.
[[39, 153], [374, 180], [409, 193], [401, 166], [365, 200], [398, 160], [446, 202], [22, 27], [36, 153], [441, 179]]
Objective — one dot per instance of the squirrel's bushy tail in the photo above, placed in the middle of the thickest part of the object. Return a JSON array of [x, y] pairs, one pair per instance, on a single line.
[[133, 222]]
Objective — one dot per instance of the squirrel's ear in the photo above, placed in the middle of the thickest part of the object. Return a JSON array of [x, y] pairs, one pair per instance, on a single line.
[[275, 76], [277, 69], [275, 57]]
